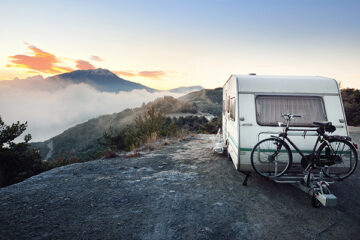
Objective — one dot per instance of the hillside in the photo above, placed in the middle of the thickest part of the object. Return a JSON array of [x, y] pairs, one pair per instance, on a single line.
[[206, 100], [82, 138]]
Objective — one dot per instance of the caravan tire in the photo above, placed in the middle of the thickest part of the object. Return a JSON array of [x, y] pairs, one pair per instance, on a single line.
[[271, 157], [228, 153]]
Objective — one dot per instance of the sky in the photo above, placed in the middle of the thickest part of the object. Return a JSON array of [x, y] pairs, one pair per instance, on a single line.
[[166, 44]]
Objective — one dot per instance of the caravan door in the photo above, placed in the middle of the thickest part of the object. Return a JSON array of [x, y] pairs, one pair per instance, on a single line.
[[248, 129]]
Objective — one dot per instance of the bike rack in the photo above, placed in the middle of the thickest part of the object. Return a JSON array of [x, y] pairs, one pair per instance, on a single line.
[[315, 185]]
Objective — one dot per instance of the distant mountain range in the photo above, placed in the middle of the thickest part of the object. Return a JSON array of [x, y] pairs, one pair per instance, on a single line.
[[101, 79], [186, 89]]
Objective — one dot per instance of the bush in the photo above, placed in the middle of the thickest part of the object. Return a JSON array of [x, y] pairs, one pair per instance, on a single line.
[[213, 126], [147, 128], [108, 153], [64, 158]]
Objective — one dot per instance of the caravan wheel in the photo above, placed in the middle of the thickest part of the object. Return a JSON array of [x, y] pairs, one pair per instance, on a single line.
[[227, 152]]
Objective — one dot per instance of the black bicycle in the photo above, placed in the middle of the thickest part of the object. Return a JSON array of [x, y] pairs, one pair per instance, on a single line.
[[336, 156]]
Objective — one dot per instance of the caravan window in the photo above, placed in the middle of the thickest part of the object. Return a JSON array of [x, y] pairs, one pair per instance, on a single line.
[[224, 107], [232, 108], [270, 108]]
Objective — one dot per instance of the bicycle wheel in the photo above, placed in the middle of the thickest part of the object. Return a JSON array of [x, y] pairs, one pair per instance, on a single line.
[[339, 158], [271, 157]]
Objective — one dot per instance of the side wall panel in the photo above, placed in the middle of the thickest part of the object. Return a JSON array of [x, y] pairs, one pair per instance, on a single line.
[[230, 131]]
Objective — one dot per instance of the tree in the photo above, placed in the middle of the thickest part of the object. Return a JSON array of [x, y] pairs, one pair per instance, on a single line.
[[17, 161], [351, 100]]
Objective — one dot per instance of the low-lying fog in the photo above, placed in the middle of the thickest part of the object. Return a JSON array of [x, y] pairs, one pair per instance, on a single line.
[[51, 108]]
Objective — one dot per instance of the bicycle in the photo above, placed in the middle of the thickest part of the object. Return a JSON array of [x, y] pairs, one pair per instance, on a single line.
[[336, 157]]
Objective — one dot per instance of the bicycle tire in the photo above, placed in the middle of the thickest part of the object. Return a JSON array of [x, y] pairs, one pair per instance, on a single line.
[[351, 154], [265, 149]]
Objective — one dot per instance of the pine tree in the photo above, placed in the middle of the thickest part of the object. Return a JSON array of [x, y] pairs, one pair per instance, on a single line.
[[17, 161]]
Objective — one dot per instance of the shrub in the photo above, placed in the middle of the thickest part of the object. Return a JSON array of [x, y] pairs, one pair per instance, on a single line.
[[108, 153], [147, 128], [64, 158], [213, 126]]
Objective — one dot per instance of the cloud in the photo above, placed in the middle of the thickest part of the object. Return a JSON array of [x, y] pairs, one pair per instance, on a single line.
[[96, 58], [152, 74], [53, 108], [84, 65], [34, 83], [126, 74], [38, 60]]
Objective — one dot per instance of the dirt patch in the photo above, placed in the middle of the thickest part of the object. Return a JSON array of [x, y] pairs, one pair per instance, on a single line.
[[181, 191]]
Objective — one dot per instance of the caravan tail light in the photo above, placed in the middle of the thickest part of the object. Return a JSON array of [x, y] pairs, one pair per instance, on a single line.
[[356, 145]]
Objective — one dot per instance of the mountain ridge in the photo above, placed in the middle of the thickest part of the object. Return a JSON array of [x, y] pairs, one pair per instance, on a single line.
[[101, 79]]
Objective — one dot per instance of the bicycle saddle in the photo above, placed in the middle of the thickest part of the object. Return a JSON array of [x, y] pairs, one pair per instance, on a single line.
[[322, 124], [325, 126]]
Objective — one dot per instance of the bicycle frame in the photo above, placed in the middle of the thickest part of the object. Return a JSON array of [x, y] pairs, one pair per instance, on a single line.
[[285, 137]]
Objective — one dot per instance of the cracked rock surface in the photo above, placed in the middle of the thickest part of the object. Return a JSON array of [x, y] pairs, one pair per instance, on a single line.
[[181, 191]]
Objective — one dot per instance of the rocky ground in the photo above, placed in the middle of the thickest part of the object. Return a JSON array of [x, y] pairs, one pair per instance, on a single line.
[[181, 191]]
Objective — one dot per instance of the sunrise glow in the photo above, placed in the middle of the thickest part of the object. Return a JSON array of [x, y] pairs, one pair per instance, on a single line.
[[163, 47]]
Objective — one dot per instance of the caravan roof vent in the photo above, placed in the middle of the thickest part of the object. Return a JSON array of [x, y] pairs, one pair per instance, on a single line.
[[252, 74]]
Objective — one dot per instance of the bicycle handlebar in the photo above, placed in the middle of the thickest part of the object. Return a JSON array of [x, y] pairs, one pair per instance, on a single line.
[[290, 116]]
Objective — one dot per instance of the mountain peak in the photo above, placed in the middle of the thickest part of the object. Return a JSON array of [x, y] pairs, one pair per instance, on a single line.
[[99, 71], [101, 79], [88, 72]]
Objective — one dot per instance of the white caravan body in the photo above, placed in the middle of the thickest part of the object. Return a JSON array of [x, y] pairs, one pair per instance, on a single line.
[[252, 107]]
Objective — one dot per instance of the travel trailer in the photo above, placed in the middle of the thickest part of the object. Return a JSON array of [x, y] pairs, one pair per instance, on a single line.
[[253, 104]]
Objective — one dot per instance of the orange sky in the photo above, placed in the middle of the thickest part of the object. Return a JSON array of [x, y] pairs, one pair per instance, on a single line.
[[39, 62]]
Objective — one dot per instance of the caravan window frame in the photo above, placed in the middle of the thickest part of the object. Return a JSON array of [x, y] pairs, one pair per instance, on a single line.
[[288, 95], [224, 107]]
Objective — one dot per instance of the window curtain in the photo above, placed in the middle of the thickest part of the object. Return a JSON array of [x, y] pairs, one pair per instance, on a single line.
[[270, 108]]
